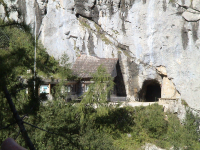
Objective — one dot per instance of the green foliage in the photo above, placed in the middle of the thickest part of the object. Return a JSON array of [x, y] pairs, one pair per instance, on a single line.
[[92, 124], [59, 118], [144, 124], [64, 71], [98, 92], [100, 33], [191, 125], [100, 89], [152, 120], [5, 120], [184, 135], [107, 131], [93, 138], [16, 57], [183, 102], [175, 132], [150, 125], [84, 23], [94, 105], [172, 1]]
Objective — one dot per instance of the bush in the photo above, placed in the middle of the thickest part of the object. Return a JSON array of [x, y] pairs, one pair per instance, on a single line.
[[151, 119], [183, 135]]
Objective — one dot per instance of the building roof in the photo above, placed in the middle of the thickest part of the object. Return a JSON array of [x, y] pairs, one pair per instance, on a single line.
[[85, 66]]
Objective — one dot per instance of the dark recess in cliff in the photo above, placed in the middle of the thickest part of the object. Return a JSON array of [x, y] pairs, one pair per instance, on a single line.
[[111, 9], [123, 14], [184, 35], [195, 27], [119, 82], [22, 9], [89, 12], [124, 7], [91, 44], [164, 5], [150, 91], [95, 13]]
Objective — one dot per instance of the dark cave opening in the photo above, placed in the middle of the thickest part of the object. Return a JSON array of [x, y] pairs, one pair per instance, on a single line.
[[150, 91], [119, 82]]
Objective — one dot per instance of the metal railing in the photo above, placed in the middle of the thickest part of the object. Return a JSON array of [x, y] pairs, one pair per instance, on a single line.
[[117, 98]]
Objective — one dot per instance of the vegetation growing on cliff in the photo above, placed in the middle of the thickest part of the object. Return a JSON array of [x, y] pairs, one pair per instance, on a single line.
[[80, 125], [99, 32]]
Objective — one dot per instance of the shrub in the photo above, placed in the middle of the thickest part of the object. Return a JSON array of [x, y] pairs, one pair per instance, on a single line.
[[151, 118]]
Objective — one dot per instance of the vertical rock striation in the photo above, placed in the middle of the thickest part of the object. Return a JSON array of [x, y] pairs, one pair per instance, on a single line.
[[143, 34]]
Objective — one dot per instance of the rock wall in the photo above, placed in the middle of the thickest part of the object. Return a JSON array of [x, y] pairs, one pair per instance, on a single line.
[[143, 34]]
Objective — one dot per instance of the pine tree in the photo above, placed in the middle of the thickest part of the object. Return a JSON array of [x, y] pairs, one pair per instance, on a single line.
[[99, 92]]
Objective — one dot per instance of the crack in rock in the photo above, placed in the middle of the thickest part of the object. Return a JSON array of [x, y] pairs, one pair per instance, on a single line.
[[112, 40], [191, 15], [103, 32]]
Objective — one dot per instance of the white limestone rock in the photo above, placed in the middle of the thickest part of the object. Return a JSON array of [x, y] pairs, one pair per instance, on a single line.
[[149, 146], [191, 15], [161, 70], [143, 34], [196, 4], [2, 12]]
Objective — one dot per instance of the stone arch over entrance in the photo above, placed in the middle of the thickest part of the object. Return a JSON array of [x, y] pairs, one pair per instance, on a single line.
[[150, 92]]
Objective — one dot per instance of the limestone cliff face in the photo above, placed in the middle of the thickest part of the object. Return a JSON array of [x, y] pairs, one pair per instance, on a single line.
[[144, 34]]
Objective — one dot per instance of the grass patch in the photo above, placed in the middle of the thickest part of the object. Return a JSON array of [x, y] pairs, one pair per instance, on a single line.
[[105, 39], [99, 32], [126, 53], [102, 35], [98, 28], [115, 31], [84, 23], [183, 102]]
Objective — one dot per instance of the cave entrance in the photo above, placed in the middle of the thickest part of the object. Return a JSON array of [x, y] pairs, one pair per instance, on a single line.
[[150, 92]]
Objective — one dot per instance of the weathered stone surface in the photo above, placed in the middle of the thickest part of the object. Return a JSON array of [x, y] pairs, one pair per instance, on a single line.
[[168, 89], [149, 146], [191, 15], [176, 106], [2, 15], [185, 3], [196, 4], [145, 34], [161, 70]]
